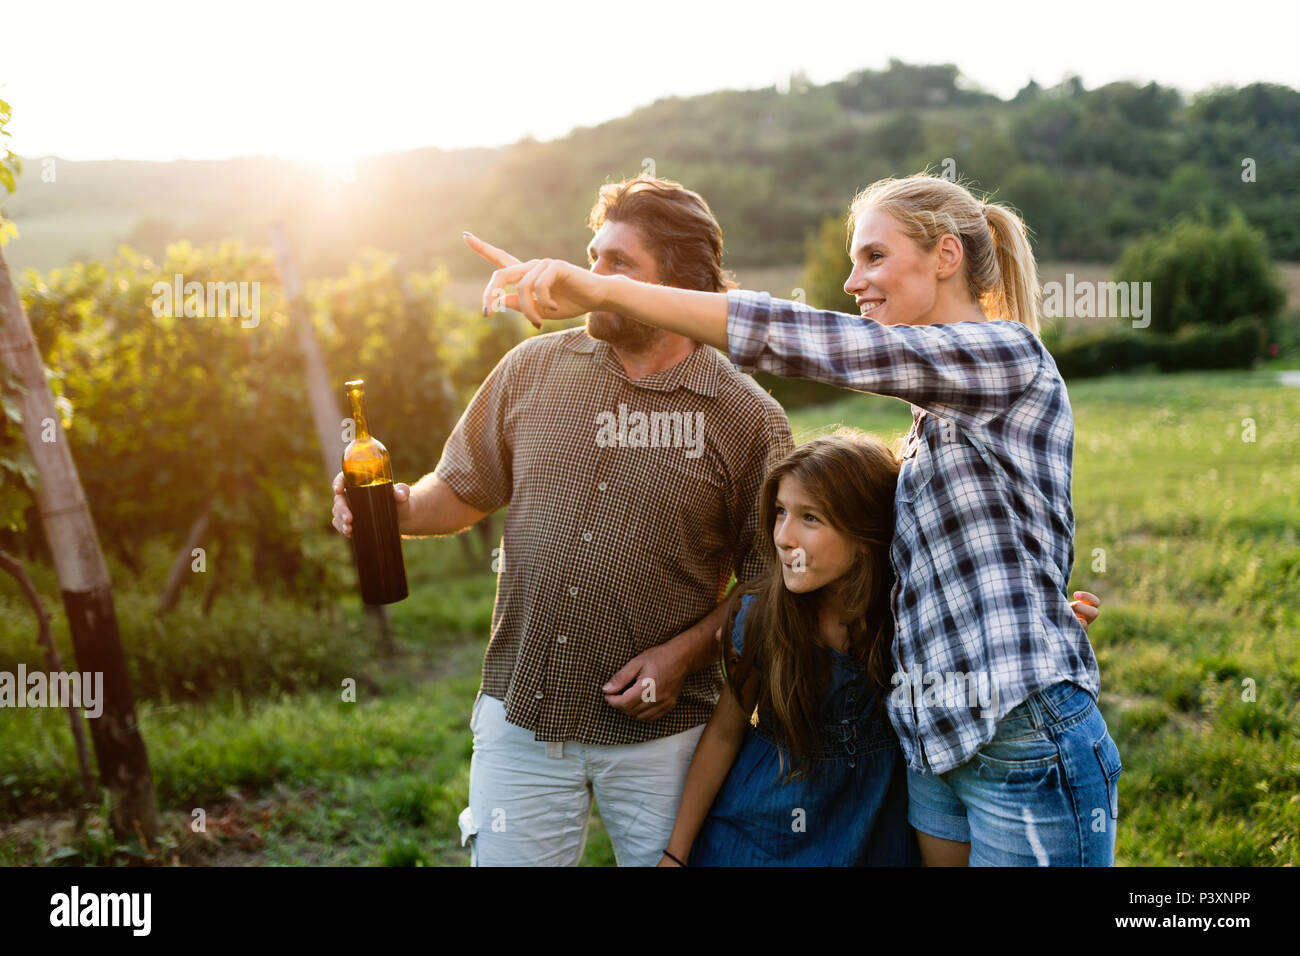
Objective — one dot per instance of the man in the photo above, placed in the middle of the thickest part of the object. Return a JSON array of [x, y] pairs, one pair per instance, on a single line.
[[631, 459]]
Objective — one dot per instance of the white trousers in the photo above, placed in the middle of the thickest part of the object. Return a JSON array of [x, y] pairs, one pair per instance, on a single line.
[[529, 800]]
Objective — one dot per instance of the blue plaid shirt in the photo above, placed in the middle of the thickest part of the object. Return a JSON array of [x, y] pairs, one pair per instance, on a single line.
[[984, 525]]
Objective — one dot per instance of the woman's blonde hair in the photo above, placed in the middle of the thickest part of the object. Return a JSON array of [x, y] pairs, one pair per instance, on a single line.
[[1000, 270]]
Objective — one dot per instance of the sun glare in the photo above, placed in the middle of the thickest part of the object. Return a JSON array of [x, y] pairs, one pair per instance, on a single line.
[[337, 167]]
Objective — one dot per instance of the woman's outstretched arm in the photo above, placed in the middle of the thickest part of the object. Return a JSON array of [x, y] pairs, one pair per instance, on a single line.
[[969, 372], [554, 289]]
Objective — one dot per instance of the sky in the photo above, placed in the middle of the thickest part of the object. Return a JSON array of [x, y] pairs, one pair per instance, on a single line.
[[330, 82]]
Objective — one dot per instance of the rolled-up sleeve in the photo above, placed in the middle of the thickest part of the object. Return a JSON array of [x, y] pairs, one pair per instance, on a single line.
[[477, 461], [774, 442], [970, 372]]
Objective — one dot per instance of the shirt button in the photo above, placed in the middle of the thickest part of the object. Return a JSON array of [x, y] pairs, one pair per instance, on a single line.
[[562, 638], [538, 695], [602, 486], [587, 536], [573, 592]]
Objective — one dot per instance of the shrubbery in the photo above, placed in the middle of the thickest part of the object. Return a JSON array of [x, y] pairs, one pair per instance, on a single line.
[[1202, 273], [1195, 347]]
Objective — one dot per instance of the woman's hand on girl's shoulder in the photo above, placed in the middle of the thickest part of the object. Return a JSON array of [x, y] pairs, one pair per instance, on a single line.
[[1085, 607]]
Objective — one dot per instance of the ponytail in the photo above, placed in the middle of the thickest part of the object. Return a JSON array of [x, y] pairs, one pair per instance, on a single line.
[[1016, 295], [1001, 274]]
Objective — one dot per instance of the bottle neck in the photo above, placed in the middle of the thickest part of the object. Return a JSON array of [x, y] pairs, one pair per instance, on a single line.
[[357, 405]]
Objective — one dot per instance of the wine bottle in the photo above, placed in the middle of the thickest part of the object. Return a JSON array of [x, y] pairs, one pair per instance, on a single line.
[[368, 486]]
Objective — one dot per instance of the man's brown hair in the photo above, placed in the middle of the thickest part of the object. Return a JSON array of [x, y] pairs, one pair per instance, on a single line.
[[676, 224]]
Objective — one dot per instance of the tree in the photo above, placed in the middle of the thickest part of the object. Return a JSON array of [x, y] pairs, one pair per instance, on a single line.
[[83, 575], [1045, 204], [826, 265], [10, 167], [1202, 273]]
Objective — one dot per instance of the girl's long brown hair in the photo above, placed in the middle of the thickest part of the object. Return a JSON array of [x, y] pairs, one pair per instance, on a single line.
[[782, 671]]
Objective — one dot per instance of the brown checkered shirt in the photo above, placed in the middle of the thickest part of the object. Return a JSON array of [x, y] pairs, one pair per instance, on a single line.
[[619, 536]]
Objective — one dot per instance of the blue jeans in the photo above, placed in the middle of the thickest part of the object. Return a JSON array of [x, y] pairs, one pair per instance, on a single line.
[[1042, 792]]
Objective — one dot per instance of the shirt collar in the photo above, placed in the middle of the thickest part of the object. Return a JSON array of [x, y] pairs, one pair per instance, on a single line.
[[699, 371]]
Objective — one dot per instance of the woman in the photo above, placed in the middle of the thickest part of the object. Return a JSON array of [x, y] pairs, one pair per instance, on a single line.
[[1009, 759]]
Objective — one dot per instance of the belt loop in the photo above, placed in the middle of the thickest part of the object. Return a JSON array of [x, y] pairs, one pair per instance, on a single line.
[[1049, 702], [555, 748], [1036, 711]]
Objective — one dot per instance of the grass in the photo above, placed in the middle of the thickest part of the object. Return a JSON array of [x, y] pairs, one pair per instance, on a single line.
[[1186, 526], [297, 777]]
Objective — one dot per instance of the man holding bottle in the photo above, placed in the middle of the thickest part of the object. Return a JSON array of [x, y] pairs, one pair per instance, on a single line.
[[631, 459]]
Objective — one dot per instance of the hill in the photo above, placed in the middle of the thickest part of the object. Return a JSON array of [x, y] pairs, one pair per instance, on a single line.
[[1090, 169]]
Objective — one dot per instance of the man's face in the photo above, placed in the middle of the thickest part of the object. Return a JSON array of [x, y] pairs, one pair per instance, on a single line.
[[618, 249]]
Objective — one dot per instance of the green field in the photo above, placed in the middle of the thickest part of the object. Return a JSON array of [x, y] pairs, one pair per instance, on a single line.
[[1196, 526]]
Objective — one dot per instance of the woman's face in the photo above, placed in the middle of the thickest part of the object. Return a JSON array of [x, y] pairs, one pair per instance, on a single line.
[[813, 554], [893, 280]]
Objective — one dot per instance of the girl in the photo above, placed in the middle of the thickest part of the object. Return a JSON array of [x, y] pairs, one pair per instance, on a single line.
[[1009, 759], [811, 660]]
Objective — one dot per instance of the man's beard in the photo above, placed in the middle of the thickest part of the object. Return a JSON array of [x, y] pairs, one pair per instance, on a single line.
[[623, 333]]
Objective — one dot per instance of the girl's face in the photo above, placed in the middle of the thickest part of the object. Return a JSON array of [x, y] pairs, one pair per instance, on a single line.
[[813, 554], [893, 280]]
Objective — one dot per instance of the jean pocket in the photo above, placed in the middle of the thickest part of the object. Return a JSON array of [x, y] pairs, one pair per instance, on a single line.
[[1027, 753], [473, 715], [486, 722], [1111, 766]]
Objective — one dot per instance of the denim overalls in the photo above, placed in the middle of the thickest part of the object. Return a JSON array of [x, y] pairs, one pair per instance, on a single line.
[[850, 811]]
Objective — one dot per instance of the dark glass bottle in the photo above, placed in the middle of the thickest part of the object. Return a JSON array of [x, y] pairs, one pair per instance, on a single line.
[[368, 485]]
